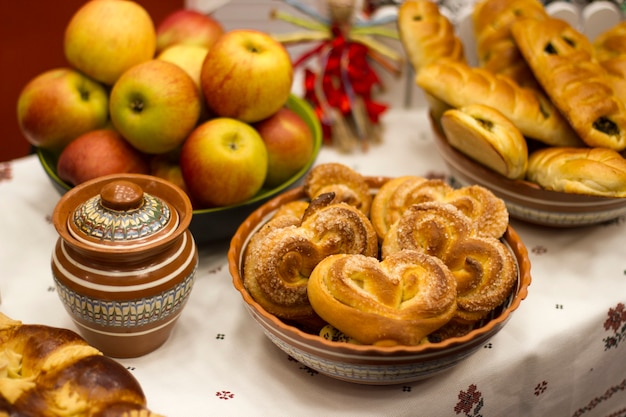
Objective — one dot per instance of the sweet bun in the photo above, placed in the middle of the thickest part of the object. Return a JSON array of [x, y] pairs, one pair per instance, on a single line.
[[397, 301], [426, 34], [590, 171], [487, 136], [347, 185], [48, 372], [460, 85], [563, 62], [281, 255]]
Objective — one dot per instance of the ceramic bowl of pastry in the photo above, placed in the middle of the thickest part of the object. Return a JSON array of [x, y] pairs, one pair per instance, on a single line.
[[220, 223], [525, 200], [360, 363]]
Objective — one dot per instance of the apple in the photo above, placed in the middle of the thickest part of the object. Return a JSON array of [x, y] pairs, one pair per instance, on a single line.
[[189, 57], [224, 162], [246, 75], [187, 26], [289, 144], [97, 153], [167, 167], [59, 105], [104, 38], [155, 106]]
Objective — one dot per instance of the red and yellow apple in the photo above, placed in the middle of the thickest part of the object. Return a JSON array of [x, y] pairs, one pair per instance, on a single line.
[[189, 57], [166, 166], [289, 144], [59, 105], [188, 26], [246, 75], [155, 106], [104, 38], [224, 162], [97, 153]]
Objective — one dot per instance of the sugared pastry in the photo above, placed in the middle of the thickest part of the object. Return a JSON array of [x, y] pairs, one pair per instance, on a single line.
[[563, 62], [398, 194], [279, 258], [48, 372], [460, 85], [397, 301], [348, 185], [484, 209], [483, 267], [487, 136], [426, 34], [590, 171]]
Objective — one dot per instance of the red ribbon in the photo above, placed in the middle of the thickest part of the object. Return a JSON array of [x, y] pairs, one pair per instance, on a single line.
[[345, 74]]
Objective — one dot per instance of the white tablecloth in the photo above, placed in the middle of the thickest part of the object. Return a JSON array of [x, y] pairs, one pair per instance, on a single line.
[[563, 353]]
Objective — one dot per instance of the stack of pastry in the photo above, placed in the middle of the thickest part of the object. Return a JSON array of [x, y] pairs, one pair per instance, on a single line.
[[49, 372], [543, 104], [423, 260]]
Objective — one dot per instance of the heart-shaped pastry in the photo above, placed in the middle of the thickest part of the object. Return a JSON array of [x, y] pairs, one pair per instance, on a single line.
[[281, 255], [397, 301], [484, 267]]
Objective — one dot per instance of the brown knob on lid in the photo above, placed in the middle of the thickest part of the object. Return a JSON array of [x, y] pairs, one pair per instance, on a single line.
[[121, 196]]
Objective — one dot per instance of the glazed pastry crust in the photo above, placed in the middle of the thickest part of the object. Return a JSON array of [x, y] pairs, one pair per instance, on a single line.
[[281, 255], [50, 371], [397, 301], [487, 136], [460, 85], [590, 171], [426, 34], [562, 60]]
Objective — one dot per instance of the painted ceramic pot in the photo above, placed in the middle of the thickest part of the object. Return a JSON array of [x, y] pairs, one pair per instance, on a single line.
[[125, 261]]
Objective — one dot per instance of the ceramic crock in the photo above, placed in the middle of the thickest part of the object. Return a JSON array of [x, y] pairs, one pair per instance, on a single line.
[[124, 263]]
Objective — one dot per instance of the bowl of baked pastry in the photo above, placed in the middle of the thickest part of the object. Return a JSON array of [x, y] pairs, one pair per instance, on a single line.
[[376, 280], [537, 117]]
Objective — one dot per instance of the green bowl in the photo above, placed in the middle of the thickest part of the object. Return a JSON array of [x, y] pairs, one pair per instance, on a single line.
[[220, 223]]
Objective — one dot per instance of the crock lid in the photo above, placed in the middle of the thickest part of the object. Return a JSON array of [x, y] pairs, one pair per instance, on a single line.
[[122, 214]]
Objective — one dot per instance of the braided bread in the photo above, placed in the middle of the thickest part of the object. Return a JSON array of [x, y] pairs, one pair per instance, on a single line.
[[48, 372], [281, 255], [562, 60], [460, 85]]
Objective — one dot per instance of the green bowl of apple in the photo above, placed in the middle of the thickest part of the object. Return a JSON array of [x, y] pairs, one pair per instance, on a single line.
[[219, 224]]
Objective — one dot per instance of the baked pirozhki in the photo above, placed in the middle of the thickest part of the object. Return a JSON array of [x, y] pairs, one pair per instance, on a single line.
[[347, 185], [562, 60], [460, 85], [49, 372], [426, 34], [397, 301], [484, 268], [495, 46], [400, 193], [487, 136], [589, 171], [610, 51], [280, 256]]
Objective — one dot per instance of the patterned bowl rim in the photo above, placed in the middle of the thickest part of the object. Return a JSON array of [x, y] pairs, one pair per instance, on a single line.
[[260, 216]]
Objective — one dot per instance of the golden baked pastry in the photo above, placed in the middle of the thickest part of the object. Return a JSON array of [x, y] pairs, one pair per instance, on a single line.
[[610, 51], [562, 60], [495, 46], [280, 256], [49, 372], [397, 301], [590, 171], [348, 185], [484, 269], [460, 85], [487, 136], [426, 34], [476, 202], [398, 194]]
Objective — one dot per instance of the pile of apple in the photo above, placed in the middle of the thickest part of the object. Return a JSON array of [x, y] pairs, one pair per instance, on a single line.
[[184, 100]]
